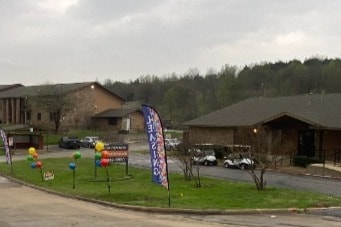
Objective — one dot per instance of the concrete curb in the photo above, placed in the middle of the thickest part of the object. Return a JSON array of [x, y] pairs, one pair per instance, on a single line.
[[161, 210]]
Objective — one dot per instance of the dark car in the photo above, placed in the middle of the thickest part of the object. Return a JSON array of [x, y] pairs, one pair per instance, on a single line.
[[69, 142]]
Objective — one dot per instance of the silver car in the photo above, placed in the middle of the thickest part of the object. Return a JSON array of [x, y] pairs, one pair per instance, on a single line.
[[90, 141]]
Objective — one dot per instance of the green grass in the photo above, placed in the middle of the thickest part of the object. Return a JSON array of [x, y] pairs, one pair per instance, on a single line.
[[138, 189]]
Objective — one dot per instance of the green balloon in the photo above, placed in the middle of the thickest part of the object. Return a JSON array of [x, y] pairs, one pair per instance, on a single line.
[[98, 156], [77, 155], [29, 157]]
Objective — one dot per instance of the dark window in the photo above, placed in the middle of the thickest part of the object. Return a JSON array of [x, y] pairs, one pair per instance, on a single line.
[[112, 121], [51, 116], [28, 115], [39, 116]]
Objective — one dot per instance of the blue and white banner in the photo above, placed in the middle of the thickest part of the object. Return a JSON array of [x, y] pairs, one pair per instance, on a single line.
[[156, 145], [6, 147]]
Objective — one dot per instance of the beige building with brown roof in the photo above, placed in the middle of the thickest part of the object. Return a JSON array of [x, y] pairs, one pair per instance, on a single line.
[[90, 99]]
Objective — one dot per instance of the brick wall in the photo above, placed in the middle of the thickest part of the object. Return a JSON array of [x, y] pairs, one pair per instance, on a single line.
[[218, 136]]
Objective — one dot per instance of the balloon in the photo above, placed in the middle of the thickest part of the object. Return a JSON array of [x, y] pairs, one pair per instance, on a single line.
[[77, 155], [98, 156], [99, 146], [104, 162], [105, 154], [31, 150], [38, 164], [98, 163], [35, 155], [72, 165], [29, 157], [33, 165]]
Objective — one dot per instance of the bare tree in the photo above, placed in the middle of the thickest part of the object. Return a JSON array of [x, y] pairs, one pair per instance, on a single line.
[[259, 153], [183, 156], [54, 99]]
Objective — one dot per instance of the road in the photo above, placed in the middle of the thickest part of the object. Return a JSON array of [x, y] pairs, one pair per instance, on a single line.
[[24, 206]]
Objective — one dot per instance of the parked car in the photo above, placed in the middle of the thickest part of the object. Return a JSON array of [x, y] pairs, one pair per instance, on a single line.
[[204, 157], [90, 141], [171, 144], [239, 160], [69, 142]]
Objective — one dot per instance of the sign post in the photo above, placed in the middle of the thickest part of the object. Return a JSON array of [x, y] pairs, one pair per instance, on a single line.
[[118, 152]]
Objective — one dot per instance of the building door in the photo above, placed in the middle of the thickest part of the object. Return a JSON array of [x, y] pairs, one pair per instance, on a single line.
[[306, 143]]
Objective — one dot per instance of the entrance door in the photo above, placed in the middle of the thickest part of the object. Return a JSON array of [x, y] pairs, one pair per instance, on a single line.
[[306, 143]]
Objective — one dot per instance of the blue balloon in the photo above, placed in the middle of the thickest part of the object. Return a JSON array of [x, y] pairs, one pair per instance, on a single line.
[[98, 163], [72, 165], [33, 165]]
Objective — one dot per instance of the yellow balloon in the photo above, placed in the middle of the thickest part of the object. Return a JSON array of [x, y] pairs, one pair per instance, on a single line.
[[31, 150], [99, 146]]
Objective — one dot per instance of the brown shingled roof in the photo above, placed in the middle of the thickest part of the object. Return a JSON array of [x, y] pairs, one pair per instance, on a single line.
[[322, 111], [9, 86], [115, 113], [34, 90]]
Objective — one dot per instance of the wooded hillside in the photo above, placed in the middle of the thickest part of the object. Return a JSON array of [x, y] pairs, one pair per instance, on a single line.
[[184, 97]]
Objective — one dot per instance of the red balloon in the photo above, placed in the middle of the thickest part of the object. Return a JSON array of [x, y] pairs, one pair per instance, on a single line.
[[105, 154], [38, 164], [104, 162]]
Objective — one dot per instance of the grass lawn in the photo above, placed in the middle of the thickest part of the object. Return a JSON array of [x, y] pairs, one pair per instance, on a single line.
[[138, 189]]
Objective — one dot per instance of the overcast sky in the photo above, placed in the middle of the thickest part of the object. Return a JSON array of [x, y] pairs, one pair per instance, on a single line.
[[66, 41]]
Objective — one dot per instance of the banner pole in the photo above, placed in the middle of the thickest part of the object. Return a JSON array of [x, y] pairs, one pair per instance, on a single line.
[[157, 147]]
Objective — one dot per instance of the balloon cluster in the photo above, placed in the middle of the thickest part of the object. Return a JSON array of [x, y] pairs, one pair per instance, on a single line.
[[101, 155], [33, 158], [75, 156]]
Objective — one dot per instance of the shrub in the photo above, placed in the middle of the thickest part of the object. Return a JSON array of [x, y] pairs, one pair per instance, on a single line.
[[304, 161]]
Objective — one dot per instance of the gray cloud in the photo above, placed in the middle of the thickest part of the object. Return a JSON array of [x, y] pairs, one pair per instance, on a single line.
[[73, 41]]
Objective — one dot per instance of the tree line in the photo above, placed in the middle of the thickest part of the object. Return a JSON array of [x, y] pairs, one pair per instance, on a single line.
[[180, 98]]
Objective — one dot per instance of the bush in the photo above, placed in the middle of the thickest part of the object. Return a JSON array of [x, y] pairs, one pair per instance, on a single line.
[[304, 161]]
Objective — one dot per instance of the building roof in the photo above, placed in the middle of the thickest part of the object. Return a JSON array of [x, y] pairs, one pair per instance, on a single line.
[[9, 86], [323, 111], [115, 113], [35, 90]]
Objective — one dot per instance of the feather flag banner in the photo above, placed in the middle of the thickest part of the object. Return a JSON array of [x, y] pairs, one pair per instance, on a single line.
[[6, 147], [156, 143]]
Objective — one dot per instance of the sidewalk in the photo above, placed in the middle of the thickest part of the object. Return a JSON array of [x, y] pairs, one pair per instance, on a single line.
[[319, 170]]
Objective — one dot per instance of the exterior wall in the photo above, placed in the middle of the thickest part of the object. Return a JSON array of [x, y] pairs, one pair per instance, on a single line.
[[104, 100], [87, 102], [137, 121], [281, 141], [102, 124], [331, 143], [218, 136]]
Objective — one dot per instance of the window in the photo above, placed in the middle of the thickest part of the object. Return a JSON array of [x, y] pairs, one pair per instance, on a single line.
[[39, 116], [112, 121], [28, 115], [52, 116]]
